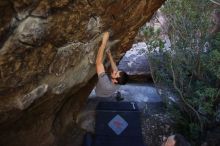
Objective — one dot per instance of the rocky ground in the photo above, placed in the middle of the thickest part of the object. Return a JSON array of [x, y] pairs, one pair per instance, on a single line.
[[156, 124]]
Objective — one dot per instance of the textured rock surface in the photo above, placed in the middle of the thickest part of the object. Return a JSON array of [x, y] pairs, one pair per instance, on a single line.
[[135, 61], [47, 54]]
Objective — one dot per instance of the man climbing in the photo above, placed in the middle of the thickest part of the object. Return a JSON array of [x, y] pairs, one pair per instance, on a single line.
[[106, 85]]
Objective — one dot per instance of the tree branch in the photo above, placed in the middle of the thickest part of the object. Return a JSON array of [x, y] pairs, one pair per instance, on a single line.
[[182, 97]]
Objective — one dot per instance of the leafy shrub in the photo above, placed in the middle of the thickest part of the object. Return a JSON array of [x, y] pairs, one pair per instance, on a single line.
[[192, 73]]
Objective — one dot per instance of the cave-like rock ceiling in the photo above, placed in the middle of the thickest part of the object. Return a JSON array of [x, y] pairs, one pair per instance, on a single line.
[[47, 54]]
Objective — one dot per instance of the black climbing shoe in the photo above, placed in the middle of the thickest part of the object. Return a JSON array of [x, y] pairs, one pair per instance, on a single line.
[[119, 97]]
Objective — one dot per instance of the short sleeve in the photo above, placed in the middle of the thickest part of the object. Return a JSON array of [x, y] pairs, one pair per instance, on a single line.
[[104, 87]]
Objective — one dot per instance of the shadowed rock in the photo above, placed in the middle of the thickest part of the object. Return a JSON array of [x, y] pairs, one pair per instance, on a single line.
[[25, 101], [47, 54]]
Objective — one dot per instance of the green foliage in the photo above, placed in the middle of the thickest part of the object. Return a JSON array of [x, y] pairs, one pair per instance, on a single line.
[[205, 99], [191, 130], [212, 63], [148, 32], [192, 73]]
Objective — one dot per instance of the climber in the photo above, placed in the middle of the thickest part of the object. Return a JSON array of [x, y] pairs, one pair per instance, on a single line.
[[108, 85]]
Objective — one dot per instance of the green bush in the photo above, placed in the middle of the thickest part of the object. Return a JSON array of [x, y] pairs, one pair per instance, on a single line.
[[192, 73]]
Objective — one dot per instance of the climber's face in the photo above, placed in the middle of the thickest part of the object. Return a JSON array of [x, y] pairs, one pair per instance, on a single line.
[[114, 76]]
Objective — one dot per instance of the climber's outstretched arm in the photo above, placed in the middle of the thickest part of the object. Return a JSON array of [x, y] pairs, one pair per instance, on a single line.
[[113, 65], [99, 59]]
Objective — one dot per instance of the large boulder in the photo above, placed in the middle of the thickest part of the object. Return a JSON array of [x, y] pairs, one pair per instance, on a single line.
[[47, 55], [135, 64]]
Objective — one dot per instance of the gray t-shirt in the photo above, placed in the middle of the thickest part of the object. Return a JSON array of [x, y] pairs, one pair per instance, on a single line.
[[105, 87]]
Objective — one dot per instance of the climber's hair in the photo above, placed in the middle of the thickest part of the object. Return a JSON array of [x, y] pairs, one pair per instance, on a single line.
[[123, 78]]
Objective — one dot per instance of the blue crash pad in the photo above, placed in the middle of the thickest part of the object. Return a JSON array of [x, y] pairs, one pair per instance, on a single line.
[[118, 124]]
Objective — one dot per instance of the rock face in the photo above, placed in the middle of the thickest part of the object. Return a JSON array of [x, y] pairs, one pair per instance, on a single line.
[[135, 61], [135, 64], [47, 55]]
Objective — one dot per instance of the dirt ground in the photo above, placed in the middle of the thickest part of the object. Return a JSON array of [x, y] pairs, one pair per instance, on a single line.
[[156, 124]]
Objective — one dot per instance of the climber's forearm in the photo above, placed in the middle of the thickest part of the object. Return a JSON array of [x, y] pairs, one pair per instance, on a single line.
[[99, 58], [112, 62]]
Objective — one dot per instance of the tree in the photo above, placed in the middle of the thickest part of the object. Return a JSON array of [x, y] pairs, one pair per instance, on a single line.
[[192, 66]]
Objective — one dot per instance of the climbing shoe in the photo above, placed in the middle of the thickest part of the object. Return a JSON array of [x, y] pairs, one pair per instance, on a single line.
[[119, 97]]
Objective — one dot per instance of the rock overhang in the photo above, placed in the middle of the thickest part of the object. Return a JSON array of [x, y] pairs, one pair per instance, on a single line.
[[47, 53]]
